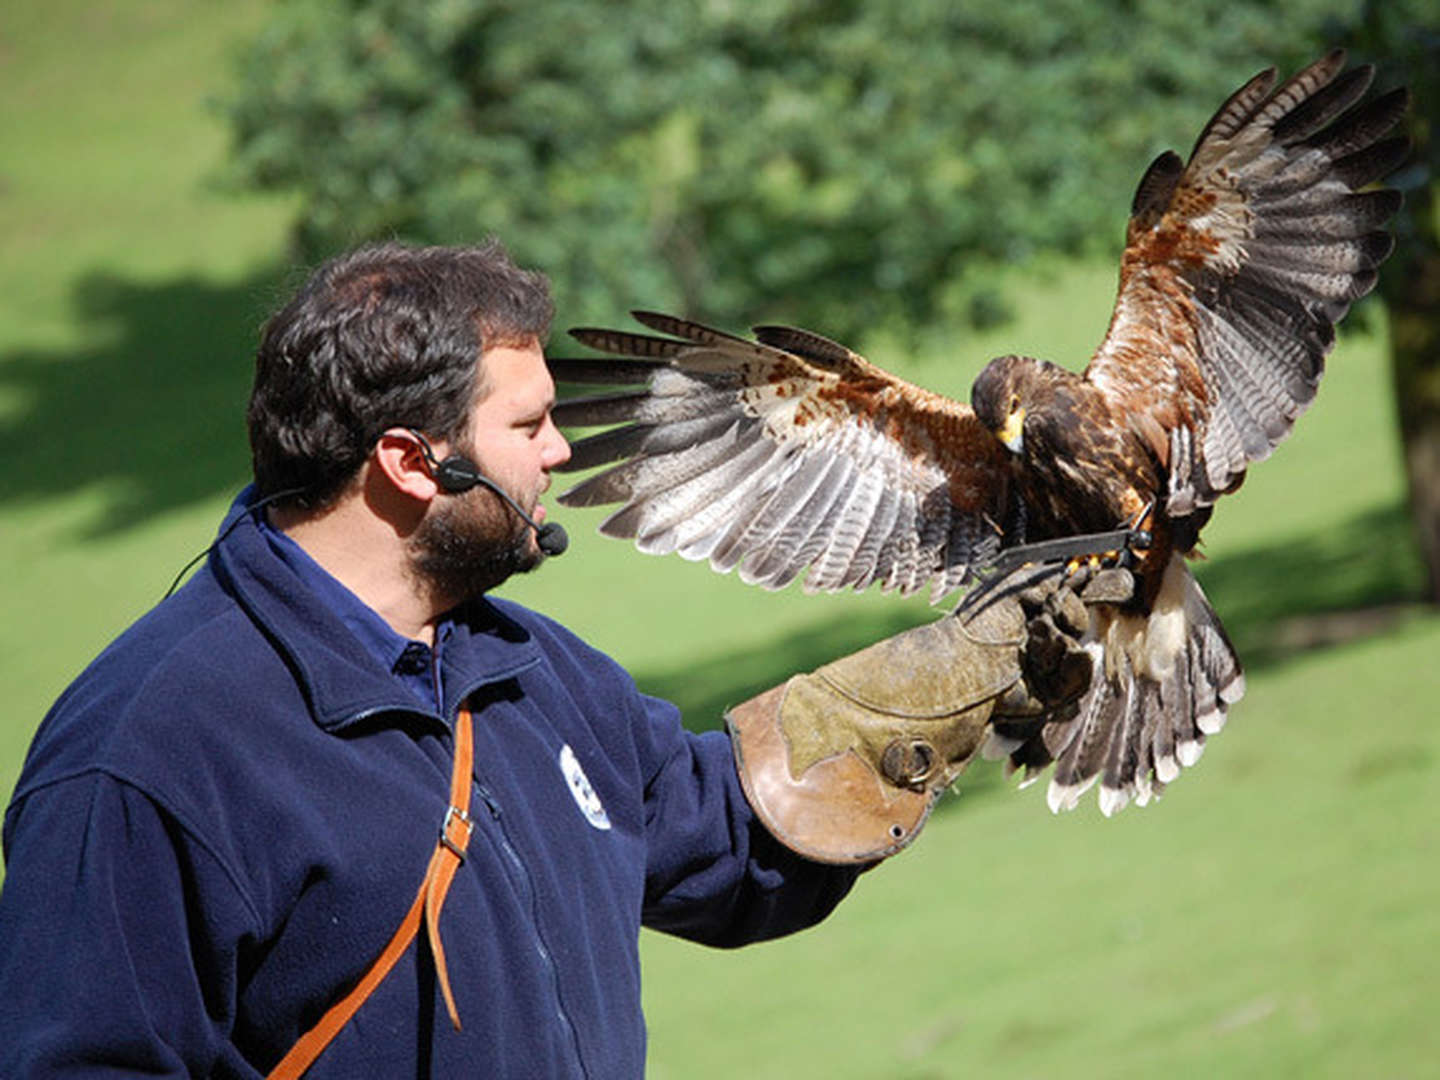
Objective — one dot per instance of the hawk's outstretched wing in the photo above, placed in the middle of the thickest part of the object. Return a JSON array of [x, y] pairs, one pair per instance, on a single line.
[[792, 453], [782, 455], [1237, 266]]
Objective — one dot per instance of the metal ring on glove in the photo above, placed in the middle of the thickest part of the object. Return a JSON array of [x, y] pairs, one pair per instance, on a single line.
[[908, 762]]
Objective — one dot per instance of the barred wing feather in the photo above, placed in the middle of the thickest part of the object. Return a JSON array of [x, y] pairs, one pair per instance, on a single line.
[[782, 456], [1239, 263]]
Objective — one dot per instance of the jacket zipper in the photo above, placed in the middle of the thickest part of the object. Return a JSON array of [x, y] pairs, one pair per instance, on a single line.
[[528, 886]]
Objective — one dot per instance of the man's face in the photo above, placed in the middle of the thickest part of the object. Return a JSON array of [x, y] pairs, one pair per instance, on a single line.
[[470, 542]]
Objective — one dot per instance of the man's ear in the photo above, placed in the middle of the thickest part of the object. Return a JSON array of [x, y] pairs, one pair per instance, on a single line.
[[401, 461]]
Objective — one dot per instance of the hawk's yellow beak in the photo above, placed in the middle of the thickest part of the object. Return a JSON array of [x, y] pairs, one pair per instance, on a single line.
[[1013, 433]]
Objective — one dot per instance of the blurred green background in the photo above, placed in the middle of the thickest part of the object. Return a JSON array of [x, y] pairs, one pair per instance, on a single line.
[[1274, 915]]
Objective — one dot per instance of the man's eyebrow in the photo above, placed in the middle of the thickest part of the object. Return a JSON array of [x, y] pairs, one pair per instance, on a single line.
[[538, 414]]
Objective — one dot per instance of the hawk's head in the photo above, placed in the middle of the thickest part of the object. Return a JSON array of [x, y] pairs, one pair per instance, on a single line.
[[1008, 389]]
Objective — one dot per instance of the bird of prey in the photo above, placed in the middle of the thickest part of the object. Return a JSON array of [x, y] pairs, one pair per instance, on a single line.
[[790, 454]]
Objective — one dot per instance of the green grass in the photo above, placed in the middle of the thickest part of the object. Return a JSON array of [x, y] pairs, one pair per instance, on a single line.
[[132, 291], [1274, 915]]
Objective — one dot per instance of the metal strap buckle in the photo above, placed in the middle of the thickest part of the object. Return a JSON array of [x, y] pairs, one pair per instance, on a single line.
[[451, 815]]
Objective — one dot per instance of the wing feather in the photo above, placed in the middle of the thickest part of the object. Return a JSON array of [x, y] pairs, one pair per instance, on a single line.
[[1238, 265], [803, 538], [653, 439], [1325, 215], [652, 471], [684, 512], [819, 350], [782, 456], [752, 534], [851, 522], [604, 371]]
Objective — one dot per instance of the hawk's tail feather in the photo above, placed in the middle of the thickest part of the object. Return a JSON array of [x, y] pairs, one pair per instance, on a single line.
[[1162, 684]]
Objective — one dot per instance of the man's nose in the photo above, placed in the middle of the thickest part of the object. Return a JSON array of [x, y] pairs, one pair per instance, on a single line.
[[557, 448]]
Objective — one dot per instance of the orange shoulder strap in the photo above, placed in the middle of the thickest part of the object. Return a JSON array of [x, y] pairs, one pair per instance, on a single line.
[[449, 854]]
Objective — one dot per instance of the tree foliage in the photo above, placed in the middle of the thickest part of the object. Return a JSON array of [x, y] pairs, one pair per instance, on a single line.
[[838, 164]]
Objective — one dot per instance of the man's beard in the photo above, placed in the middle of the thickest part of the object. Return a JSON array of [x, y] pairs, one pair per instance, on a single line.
[[469, 544]]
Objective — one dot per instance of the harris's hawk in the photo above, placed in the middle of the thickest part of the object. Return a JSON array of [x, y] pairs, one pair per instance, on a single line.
[[791, 455]]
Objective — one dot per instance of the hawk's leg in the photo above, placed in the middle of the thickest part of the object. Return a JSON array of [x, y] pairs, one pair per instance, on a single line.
[[1138, 537], [1019, 568]]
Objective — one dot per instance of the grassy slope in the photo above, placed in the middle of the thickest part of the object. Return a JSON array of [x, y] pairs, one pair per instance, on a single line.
[[1273, 916], [127, 318], [1270, 916]]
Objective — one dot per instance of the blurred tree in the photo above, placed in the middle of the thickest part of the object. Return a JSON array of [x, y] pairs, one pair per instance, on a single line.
[[1403, 36], [845, 165]]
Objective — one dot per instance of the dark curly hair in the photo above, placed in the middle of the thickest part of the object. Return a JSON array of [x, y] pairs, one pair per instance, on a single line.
[[385, 336]]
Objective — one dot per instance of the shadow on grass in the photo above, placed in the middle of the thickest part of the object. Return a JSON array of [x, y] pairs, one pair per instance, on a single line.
[[154, 410], [1342, 577], [704, 690], [1347, 582]]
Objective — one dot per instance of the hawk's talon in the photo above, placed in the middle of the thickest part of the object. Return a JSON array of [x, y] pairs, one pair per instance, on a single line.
[[1125, 558]]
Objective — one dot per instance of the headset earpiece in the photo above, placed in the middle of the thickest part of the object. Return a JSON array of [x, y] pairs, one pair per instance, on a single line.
[[456, 474]]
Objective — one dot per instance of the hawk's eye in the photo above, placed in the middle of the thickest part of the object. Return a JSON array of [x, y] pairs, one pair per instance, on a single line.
[[1014, 402]]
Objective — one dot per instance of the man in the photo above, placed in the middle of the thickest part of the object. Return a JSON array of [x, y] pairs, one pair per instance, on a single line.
[[221, 823]]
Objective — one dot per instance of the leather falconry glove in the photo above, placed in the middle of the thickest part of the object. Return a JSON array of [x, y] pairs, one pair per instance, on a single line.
[[844, 764]]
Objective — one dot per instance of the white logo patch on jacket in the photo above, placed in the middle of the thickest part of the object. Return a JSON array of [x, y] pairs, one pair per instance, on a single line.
[[584, 795]]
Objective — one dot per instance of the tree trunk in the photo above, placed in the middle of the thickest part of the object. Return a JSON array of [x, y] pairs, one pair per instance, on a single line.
[[1402, 37], [1412, 295]]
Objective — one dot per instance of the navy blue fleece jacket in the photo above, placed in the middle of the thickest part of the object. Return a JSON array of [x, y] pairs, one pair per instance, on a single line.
[[222, 821]]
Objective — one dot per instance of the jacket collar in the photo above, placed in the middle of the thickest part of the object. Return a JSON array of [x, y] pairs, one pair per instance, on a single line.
[[341, 680]]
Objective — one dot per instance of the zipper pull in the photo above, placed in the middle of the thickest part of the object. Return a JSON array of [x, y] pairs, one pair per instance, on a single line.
[[488, 800]]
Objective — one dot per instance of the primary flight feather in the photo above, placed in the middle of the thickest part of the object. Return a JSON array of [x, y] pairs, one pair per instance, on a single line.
[[790, 454]]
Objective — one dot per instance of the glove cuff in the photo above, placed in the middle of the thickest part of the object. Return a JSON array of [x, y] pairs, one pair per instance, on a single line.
[[844, 764], [838, 811]]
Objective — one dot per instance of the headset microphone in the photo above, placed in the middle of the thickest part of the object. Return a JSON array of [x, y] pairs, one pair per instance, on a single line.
[[457, 474]]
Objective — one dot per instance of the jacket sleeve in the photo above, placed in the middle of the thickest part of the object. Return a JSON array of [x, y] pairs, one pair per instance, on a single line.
[[713, 873], [110, 920]]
